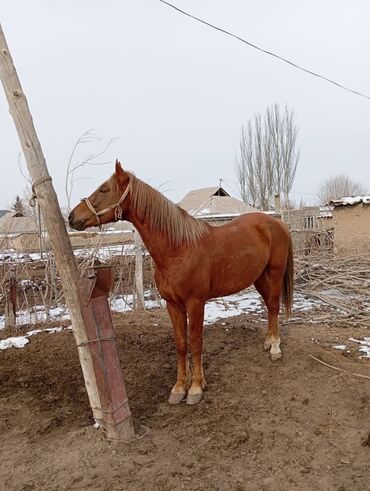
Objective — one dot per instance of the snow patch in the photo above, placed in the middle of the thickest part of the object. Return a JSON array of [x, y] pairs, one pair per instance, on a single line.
[[364, 346], [107, 251], [14, 342], [224, 307], [351, 200], [38, 314], [124, 303], [21, 341]]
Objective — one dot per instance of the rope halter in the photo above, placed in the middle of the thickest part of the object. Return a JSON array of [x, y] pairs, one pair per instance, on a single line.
[[116, 207]]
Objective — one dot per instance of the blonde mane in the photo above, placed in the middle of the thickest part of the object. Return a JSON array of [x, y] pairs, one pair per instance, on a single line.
[[163, 215]]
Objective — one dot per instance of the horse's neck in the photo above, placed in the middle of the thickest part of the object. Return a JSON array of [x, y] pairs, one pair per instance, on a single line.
[[166, 230], [157, 244]]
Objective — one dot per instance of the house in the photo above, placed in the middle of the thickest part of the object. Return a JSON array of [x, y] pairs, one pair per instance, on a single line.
[[307, 218], [12, 224], [214, 205], [19, 232], [311, 228], [351, 222]]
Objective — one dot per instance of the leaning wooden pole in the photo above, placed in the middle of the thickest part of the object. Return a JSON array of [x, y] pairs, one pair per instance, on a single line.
[[54, 223]]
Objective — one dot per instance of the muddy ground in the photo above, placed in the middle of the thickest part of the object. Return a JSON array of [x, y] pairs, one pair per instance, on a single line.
[[294, 424]]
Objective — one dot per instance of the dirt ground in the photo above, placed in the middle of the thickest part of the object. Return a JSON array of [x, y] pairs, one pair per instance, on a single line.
[[294, 424]]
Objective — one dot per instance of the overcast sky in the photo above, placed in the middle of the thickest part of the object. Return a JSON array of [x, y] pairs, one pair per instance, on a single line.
[[176, 93]]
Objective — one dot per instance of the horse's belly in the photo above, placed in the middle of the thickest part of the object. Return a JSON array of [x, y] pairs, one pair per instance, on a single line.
[[232, 276], [222, 289]]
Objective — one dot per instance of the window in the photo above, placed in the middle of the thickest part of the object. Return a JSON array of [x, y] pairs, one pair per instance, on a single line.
[[309, 222]]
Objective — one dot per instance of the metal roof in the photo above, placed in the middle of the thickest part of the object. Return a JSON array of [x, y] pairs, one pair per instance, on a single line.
[[213, 202]]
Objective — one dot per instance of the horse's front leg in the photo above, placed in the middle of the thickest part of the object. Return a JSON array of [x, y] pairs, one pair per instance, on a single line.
[[179, 322], [196, 316]]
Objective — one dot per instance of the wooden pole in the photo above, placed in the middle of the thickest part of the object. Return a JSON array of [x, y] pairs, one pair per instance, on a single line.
[[53, 219], [11, 300], [139, 283]]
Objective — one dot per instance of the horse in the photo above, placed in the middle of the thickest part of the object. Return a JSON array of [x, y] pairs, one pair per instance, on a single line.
[[195, 261]]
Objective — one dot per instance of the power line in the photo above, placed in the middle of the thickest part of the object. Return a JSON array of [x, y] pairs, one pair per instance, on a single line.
[[264, 50]]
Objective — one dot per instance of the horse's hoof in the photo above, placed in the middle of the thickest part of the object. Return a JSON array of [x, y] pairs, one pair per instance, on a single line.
[[275, 356], [266, 345], [192, 399], [176, 398]]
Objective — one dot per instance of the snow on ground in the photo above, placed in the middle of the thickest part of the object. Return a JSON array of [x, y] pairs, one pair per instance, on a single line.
[[21, 341], [301, 303], [38, 314], [124, 303], [14, 342], [239, 303], [11, 255], [216, 309], [364, 346], [102, 252], [247, 301]]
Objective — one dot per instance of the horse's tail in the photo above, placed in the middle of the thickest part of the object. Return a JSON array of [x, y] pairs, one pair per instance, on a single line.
[[288, 282]]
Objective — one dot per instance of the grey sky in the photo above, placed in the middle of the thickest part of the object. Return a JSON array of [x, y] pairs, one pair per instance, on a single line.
[[176, 93]]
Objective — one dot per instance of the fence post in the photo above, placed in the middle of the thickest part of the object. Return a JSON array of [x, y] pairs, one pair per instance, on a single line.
[[53, 219], [139, 283], [11, 301], [94, 289]]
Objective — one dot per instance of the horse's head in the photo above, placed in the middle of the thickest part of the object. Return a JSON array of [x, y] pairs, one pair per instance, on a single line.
[[106, 204]]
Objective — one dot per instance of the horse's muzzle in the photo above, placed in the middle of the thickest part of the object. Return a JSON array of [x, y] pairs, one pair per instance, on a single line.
[[76, 224]]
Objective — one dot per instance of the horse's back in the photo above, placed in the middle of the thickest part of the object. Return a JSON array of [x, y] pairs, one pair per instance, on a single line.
[[259, 237], [256, 223]]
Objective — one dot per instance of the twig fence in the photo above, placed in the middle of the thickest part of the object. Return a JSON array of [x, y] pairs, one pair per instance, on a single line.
[[340, 281], [31, 284]]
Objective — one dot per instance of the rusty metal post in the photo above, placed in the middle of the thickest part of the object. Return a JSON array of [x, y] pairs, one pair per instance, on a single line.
[[94, 289]]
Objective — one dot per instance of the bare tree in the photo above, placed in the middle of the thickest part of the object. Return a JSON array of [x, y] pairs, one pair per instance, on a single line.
[[89, 137], [337, 187], [268, 157]]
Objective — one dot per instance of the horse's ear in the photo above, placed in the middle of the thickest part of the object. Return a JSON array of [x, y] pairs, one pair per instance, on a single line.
[[118, 167], [120, 174]]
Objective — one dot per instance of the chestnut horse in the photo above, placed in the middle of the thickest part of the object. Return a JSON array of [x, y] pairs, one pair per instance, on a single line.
[[195, 262]]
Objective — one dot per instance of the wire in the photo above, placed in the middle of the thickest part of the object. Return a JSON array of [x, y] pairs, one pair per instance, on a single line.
[[264, 50]]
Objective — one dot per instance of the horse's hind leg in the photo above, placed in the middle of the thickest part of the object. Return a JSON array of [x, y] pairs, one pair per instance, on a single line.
[[195, 309], [179, 322], [269, 285]]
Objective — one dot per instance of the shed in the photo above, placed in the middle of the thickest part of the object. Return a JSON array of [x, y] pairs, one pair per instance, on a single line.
[[214, 205]]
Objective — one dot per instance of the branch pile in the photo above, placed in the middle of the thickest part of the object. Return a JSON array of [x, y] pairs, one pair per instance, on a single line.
[[340, 281]]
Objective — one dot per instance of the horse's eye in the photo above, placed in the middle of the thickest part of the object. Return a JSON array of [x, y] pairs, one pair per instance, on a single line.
[[103, 189]]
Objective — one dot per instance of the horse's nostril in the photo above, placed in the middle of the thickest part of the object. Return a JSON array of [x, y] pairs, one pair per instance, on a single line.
[[70, 217]]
